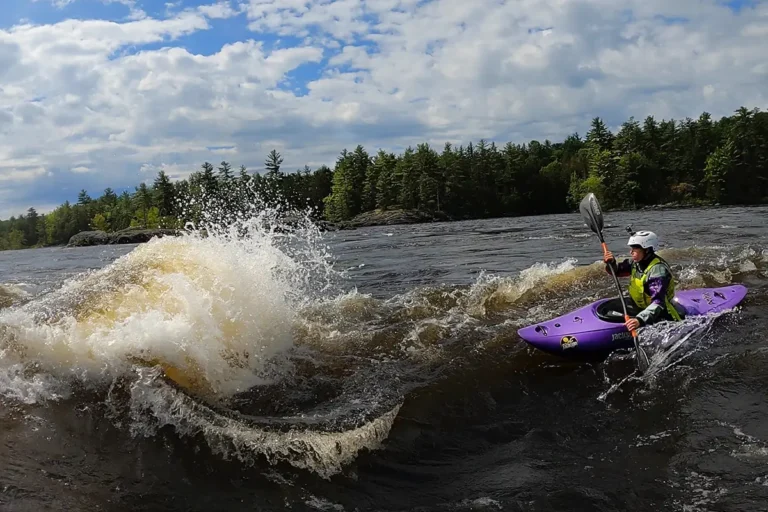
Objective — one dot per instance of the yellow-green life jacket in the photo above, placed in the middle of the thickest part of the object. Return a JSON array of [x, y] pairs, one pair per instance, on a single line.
[[637, 282]]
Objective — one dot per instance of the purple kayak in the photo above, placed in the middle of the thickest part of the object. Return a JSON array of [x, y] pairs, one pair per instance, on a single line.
[[599, 327]]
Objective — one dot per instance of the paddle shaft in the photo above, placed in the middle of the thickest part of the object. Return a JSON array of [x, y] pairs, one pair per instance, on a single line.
[[618, 287], [592, 213]]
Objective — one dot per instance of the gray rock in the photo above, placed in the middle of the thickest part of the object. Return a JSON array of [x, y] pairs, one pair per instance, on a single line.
[[391, 217], [138, 236], [126, 236], [85, 238]]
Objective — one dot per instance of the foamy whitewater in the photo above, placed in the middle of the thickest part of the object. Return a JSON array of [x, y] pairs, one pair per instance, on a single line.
[[256, 362], [213, 309], [184, 325], [208, 315]]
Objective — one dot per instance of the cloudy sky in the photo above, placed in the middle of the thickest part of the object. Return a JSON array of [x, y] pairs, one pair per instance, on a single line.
[[104, 93]]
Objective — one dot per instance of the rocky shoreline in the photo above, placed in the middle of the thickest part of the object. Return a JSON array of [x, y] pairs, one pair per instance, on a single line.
[[392, 217], [125, 236], [679, 206], [366, 219]]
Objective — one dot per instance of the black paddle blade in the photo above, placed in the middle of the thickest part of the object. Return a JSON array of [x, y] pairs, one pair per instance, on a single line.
[[642, 358], [593, 215]]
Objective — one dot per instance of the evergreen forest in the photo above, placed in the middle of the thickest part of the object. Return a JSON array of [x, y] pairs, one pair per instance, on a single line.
[[689, 162]]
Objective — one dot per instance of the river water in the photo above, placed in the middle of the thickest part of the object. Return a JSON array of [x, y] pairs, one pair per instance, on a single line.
[[378, 369]]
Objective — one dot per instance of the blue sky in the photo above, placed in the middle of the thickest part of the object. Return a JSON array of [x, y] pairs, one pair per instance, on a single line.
[[105, 93]]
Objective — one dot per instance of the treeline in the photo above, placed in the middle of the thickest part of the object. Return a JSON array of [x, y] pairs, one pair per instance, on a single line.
[[691, 161], [700, 161], [208, 194]]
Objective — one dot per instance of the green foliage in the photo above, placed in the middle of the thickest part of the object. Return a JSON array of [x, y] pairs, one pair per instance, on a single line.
[[579, 188], [720, 166], [164, 193], [100, 221], [16, 239], [273, 162], [653, 162]]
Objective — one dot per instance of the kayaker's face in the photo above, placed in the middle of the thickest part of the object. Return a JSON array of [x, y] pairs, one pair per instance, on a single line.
[[637, 253]]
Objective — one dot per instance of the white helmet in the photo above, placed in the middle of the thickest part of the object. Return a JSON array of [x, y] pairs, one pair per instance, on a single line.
[[645, 239]]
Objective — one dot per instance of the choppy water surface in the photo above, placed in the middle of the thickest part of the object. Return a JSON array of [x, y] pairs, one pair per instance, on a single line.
[[378, 369]]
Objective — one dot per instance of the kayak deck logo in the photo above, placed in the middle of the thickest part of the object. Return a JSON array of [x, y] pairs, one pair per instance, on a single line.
[[624, 335], [567, 342]]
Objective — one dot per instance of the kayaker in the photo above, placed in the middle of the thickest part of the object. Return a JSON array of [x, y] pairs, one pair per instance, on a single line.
[[651, 284]]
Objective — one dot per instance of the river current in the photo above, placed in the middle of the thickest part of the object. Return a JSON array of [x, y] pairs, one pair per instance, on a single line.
[[378, 369]]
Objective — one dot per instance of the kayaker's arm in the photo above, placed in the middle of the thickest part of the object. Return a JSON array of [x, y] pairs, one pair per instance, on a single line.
[[622, 268], [656, 287]]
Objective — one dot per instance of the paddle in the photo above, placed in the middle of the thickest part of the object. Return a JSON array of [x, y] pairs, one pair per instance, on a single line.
[[590, 210]]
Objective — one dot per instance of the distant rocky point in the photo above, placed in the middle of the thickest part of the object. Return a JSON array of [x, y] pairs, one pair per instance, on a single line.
[[390, 217], [125, 236], [371, 218], [677, 205]]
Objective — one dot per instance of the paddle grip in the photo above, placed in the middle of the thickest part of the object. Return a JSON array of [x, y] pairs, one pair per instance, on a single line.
[[626, 319], [605, 248]]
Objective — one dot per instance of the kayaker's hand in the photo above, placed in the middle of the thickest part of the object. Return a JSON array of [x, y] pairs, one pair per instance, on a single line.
[[608, 257], [632, 324]]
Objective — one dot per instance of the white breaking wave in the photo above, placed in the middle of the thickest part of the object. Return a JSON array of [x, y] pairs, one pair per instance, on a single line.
[[154, 403], [217, 313]]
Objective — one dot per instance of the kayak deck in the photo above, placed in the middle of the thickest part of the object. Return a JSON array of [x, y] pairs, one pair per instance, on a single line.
[[599, 326]]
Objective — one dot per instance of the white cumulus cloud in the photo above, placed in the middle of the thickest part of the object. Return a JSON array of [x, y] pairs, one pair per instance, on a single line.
[[93, 103]]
